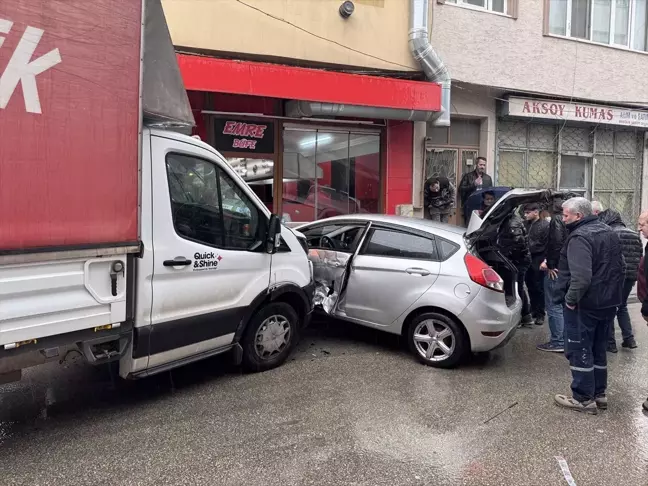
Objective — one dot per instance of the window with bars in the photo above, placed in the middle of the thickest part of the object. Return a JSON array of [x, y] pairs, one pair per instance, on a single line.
[[604, 164], [620, 23]]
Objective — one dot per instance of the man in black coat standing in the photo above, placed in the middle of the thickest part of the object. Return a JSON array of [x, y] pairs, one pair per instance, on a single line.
[[470, 182], [591, 272], [555, 241], [538, 230], [632, 250]]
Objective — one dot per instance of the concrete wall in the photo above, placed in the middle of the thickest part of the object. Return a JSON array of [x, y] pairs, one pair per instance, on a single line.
[[493, 50], [377, 28]]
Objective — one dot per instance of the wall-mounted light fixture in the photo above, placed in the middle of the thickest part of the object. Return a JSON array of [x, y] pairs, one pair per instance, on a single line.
[[346, 9]]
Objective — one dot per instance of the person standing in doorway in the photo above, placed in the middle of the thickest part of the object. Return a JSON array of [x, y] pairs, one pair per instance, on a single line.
[[470, 182], [590, 281], [555, 242], [439, 198], [538, 231], [632, 250]]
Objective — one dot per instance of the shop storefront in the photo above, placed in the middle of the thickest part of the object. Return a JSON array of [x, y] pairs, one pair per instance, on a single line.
[[597, 151], [304, 171], [310, 167]]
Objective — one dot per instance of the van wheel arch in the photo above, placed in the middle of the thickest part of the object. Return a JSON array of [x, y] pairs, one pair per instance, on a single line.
[[288, 294]]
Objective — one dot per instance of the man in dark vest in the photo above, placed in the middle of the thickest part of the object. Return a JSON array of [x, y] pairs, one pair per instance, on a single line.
[[591, 272]]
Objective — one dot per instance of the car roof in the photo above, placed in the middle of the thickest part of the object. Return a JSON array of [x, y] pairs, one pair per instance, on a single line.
[[452, 232]]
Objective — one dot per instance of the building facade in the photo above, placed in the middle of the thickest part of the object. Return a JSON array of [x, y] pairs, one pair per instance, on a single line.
[[551, 92], [312, 115]]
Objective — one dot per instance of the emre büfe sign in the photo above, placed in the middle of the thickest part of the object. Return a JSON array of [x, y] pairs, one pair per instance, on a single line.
[[244, 136], [563, 110]]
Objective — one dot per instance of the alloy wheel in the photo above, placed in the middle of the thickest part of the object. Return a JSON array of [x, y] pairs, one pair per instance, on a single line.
[[434, 340]]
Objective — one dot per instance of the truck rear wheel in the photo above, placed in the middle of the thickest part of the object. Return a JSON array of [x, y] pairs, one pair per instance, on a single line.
[[269, 337]]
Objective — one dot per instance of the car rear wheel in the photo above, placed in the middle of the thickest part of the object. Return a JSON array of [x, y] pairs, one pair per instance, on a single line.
[[269, 337], [437, 340]]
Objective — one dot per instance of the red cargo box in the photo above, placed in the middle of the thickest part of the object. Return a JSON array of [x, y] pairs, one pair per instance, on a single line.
[[69, 115]]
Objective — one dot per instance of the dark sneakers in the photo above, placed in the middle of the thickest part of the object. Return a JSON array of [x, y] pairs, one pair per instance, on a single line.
[[539, 321], [612, 348], [645, 405], [629, 343], [573, 404], [526, 321], [550, 347]]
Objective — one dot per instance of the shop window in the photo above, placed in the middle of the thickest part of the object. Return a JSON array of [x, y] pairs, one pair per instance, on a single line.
[[512, 134], [620, 23], [604, 172], [510, 169], [576, 139], [625, 143], [573, 172], [605, 141], [329, 173], [542, 137], [541, 169]]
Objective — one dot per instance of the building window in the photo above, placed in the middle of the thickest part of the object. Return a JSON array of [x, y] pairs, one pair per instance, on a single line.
[[621, 23], [600, 163], [499, 6], [329, 172]]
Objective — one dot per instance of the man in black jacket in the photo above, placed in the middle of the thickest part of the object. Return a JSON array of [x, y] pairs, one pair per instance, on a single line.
[[439, 198], [642, 278], [470, 182], [513, 243], [555, 240], [632, 250], [590, 280], [538, 231]]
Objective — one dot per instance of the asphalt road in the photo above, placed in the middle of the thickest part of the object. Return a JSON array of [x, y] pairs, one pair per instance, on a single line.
[[351, 408]]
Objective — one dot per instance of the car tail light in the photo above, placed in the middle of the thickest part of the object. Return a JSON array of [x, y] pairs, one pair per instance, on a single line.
[[482, 274]]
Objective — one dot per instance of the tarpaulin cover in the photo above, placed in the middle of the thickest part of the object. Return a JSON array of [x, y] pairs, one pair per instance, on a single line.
[[69, 114], [164, 97]]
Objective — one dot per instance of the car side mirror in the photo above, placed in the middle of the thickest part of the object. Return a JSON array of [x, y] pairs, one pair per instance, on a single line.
[[273, 236]]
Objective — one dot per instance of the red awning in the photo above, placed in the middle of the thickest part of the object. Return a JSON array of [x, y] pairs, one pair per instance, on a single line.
[[294, 83]]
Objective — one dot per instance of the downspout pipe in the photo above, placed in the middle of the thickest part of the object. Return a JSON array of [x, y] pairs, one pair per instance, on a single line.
[[432, 65]]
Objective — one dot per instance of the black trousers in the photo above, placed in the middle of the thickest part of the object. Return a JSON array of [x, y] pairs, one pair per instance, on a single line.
[[534, 280], [526, 307]]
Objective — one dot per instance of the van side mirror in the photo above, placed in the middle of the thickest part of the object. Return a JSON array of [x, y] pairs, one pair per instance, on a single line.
[[273, 237]]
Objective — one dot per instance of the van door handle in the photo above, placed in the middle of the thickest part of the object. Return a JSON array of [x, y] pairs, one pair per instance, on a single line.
[[177, 262], [418, 271]]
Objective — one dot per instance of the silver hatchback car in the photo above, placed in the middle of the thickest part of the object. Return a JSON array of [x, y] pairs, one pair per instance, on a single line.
[[446, 290]]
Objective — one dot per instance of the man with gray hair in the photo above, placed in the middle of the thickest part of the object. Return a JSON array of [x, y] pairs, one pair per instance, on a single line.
[[591, 271]]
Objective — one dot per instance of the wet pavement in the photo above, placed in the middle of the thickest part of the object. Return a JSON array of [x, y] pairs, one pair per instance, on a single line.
[[351, 408]]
